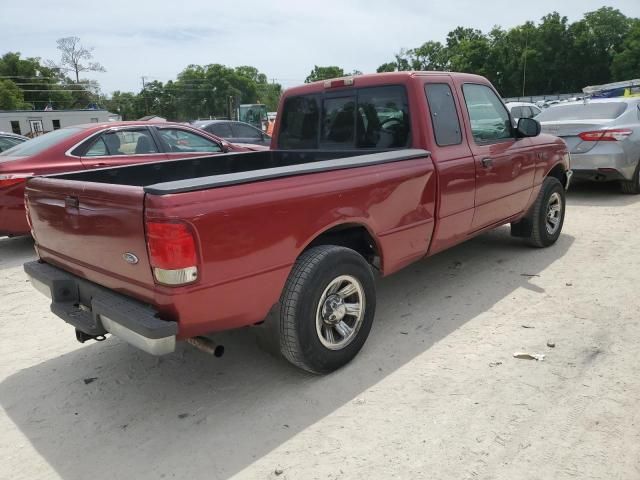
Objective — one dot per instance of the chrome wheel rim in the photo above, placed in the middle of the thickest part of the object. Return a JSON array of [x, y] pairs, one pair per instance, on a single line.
[[554, 213], [340, 312]]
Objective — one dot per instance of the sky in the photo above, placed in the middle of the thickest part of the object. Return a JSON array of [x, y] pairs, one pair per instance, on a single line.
[[283, 39]]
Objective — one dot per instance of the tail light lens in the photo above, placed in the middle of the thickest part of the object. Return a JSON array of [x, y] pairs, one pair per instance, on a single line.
[[172, 252], [613, 135], [12, 179]]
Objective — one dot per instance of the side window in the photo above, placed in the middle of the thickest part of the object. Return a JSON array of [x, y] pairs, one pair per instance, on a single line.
[[299, 126], [382, 120], [245, 131], [446, 124], [182, 141], [338, 123], [123, 142], [221, 130], [535, 111], [489, 118], [98, 149]]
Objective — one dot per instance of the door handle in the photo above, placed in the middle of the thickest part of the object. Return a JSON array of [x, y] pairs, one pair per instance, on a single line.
[[486, 162], [100, 165]]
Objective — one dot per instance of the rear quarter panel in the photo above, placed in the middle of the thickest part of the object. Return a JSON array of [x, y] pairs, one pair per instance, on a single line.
[[250, 235]]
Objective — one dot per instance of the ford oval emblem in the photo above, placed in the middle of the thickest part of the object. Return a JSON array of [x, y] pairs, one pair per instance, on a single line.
[[130, 258]]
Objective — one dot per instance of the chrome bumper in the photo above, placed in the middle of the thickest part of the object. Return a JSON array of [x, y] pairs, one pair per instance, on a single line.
[[96, 310]]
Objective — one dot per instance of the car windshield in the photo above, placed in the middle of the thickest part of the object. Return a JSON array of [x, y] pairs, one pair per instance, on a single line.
[[38, 144], [583, 111]]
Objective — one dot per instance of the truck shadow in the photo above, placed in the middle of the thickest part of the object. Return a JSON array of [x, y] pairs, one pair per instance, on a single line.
[[599, 195], [15, 251], [106, 411]]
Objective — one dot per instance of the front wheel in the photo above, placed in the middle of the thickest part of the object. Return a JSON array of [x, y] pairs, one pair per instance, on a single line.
[[543, 224], [326, 308]]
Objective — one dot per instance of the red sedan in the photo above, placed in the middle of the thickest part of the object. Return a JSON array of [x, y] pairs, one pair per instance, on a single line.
[[95, 145]]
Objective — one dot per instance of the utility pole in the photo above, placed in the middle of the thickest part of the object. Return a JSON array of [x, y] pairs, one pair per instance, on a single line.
[[524, 70], [144, 94]]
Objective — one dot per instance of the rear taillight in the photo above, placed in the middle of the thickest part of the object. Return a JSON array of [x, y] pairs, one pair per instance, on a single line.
[[172, 252], [613, 135], [11, 179]]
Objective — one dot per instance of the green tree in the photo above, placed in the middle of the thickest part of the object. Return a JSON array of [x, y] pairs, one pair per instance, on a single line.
[[324, 73], [11, 96], [626, 63], [40, 85], [596, 39]]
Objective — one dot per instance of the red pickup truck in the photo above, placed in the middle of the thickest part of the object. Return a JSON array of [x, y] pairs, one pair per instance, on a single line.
[[365, 176]]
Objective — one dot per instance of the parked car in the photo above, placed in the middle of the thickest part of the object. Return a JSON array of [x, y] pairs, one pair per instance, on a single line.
[[292, 236], [9, 140], [523, 110], [603, 137], [94, 145], [232, 131]]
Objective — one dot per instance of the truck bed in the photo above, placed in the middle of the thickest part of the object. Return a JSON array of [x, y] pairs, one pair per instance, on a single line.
[[176, 176], [252, 214]]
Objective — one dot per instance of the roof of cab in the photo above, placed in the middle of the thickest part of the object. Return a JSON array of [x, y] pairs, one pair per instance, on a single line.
[[379, 79]]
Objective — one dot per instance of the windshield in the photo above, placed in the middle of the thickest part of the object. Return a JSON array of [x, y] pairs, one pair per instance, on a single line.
[[41, 143], [583, 111]]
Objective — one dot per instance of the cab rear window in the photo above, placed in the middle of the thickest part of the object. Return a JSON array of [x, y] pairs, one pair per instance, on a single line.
[[376, 118]]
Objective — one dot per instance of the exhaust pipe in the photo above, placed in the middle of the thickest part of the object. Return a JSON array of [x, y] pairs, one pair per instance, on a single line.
[[206, 345]]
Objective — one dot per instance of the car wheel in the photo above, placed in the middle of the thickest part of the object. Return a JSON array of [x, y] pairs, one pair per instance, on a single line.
[[326, 308], [547, 214], [632, 187]]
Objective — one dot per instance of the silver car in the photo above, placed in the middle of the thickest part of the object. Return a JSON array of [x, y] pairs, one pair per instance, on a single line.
[[603, 137]]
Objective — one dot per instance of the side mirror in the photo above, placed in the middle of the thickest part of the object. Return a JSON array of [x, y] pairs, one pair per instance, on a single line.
[[528, 127]]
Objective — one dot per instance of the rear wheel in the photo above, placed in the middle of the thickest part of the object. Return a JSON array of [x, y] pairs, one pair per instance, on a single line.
[[327, 308], [632, 187]]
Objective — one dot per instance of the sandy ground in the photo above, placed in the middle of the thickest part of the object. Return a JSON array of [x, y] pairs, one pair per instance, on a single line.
[[434, 394]]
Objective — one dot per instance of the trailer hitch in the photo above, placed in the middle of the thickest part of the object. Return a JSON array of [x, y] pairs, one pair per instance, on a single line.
[[83, 337]]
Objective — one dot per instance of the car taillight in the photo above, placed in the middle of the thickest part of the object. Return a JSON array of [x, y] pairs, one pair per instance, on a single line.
[[613, 135], [172, 252], [10, 179]]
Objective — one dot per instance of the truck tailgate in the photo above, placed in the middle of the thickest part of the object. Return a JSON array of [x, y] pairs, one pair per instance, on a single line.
[[93, 230]]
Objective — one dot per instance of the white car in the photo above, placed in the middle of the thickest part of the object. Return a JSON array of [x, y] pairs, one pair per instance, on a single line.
[[522, 110]]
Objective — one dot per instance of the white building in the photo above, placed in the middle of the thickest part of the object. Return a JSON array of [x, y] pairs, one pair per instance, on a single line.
[[35, 122]]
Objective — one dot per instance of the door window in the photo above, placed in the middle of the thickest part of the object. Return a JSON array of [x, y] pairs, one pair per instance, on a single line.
[[446, 125], [222, 130], [182, 141], [245, 131], [123, 142], [489, 117]]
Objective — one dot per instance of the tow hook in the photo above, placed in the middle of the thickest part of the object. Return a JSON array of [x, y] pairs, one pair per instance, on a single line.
[[83, 337], [206, 345]]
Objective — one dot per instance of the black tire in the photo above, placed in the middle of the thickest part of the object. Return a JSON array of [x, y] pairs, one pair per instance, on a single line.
[[539, 235], [632, 187], [312, 274]]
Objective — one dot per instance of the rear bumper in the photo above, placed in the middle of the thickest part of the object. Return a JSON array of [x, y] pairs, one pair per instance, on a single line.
[[96, 310], [601, 164]]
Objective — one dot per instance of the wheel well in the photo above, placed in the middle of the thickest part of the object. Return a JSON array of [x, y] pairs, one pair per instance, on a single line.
[[355, 237], [560, 173]]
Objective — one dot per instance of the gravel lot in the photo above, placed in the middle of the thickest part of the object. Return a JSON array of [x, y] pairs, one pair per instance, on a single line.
[[435, 393]]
